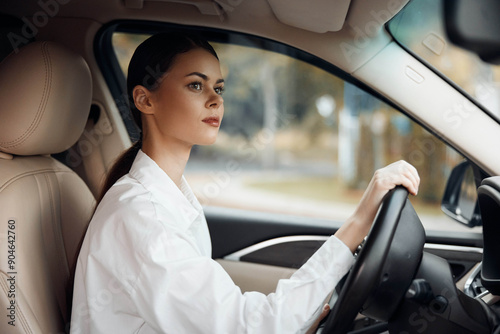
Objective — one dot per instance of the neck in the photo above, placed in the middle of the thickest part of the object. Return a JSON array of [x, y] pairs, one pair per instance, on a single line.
[[172, 157]]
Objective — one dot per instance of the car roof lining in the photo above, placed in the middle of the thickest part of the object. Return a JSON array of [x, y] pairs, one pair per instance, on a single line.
[[315, 15], [359, 34]]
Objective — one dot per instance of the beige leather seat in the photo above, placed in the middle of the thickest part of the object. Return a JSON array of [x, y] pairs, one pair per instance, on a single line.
[[45, 96]]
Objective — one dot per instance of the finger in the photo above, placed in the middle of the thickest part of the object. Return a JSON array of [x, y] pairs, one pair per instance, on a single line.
[[413, 172], [324, 313], [406, 170], [415, 177], [408, 184], [414, 182]]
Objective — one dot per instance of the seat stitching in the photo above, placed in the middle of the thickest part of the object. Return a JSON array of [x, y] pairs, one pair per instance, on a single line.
[[23, 321], [61, 237], [60, 253], [19, 311], [30, 173], [43, 102], [45, 235]]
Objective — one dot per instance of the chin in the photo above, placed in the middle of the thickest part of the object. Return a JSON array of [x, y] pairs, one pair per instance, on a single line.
[[207, 141]]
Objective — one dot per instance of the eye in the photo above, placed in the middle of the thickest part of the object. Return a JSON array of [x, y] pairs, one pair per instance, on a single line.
[[196, 86], [219, 90]]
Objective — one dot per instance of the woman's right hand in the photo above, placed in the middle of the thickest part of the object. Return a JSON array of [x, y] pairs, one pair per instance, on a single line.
[[324, 313]]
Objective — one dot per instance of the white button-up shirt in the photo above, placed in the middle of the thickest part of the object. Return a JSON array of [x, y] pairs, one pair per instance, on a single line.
[[145, 266]]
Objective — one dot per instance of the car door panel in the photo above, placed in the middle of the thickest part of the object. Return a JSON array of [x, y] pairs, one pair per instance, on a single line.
[[255, 277], [264, 248]]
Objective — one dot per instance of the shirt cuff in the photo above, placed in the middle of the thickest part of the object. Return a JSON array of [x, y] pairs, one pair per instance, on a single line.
[[343, 256]]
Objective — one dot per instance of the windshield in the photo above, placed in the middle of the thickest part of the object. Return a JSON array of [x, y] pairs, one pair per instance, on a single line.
[[420, 28]]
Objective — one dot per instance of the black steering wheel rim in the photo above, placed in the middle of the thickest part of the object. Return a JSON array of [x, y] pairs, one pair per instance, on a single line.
[[366, 271]]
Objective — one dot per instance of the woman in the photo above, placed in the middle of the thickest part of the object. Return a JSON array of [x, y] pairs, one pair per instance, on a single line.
[[145, 265]]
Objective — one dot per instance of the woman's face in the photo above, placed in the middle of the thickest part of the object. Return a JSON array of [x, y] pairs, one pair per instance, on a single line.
[[188, 106]]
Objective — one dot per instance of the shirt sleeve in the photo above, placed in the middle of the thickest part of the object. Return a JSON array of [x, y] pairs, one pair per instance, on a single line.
[[180, 291]]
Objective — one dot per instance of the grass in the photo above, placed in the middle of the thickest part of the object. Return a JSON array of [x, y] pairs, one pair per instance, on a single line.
[[319, 188]]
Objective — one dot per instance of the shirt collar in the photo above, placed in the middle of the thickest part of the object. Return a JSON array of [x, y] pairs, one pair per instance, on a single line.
[[154, 179]]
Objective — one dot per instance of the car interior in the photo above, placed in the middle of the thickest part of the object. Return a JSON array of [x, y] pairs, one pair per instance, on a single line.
[[64, 120], [55, 201]]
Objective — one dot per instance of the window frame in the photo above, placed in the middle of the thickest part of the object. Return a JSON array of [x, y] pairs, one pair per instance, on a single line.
[[115, 80], [436, 71]]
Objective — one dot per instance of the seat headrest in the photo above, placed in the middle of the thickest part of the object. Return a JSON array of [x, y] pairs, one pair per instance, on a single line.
[[45, 97]]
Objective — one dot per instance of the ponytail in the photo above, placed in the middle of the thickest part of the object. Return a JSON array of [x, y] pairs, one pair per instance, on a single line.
[[121, 167]]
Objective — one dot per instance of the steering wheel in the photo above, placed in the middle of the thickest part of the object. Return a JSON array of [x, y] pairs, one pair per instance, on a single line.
[[366, 273]]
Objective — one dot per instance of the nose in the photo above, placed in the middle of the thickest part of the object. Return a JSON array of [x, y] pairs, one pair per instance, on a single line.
[[215, 101]]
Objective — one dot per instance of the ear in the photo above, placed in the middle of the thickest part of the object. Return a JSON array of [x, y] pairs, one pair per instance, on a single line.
[[142, 99]]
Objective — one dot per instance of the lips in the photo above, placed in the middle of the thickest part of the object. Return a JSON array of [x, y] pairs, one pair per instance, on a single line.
[[212, 121]]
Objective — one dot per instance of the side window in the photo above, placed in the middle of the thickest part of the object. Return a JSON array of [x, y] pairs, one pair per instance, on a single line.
[[296, 139]]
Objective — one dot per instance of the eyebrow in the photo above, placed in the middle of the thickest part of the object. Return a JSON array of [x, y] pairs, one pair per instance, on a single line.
[[203, 76]]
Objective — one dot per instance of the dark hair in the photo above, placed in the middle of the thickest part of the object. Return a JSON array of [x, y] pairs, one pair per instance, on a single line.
[[150, 61]]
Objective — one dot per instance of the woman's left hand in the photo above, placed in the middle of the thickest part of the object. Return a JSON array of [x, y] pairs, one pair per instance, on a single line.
[[358, 225]]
